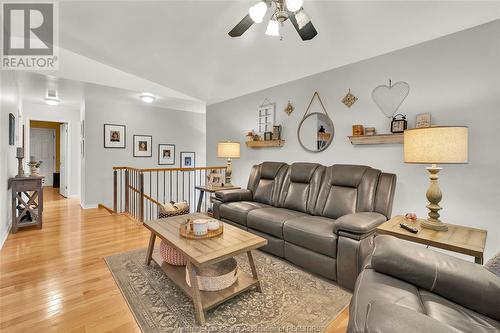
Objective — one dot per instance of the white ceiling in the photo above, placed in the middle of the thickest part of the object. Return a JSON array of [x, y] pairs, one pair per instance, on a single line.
[[184, 45]]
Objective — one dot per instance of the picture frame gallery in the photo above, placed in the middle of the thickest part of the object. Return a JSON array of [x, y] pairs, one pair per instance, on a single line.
[[115, 136]]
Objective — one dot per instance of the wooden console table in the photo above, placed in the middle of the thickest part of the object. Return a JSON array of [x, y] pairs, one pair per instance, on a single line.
[[27, 197], [459, 239]]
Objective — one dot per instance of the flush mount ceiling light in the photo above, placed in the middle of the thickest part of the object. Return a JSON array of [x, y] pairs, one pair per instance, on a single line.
[[147, 98], [51, 98], [283, 10]]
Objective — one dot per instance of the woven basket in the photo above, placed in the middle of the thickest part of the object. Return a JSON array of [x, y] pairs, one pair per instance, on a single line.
[[173, 209], [171, 256], [217, 276]]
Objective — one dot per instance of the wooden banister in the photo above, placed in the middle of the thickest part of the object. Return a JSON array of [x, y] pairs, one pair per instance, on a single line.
[[169, 169]]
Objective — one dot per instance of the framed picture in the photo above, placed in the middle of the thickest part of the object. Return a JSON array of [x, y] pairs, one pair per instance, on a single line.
[[166, 154], [215, 179], [12, 129], [188, 159], [266, 118], [115, 136], [143, 146], [423, 120]]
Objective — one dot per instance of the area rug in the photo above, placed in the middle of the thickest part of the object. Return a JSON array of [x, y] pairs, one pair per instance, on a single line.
[[292, 299]]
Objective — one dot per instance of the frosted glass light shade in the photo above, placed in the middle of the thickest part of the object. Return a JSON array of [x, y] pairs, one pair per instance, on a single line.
[[228, 149], [258, 11], [294, 5], [273, 28], [436, 145]]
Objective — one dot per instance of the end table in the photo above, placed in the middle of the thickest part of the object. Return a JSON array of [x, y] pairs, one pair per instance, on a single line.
[[459, 239], [211, 189]]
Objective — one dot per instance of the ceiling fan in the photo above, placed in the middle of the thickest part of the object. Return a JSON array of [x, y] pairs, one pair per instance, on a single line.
[[283, 10]]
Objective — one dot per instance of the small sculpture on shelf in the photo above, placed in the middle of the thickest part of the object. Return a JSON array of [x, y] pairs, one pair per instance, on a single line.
[[34, 166]]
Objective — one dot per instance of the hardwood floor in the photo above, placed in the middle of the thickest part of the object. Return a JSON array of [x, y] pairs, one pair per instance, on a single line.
[[55, 279]]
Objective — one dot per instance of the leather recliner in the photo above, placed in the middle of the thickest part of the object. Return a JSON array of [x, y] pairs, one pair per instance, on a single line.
[[405, 287], [320, 218]]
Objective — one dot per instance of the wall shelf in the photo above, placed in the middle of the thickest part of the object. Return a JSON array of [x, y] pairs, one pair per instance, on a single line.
[[378, 139], [265, 144]]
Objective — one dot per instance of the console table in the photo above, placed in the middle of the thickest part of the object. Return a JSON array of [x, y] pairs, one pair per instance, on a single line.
[[459, 239], [27, 202]]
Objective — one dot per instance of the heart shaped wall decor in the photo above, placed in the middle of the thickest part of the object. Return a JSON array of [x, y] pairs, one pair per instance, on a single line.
[[389, 98]]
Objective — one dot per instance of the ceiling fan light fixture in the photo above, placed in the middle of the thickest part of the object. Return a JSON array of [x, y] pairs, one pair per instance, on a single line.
[[147, 98], [294, 5], [273, 28], [302, 18], [258, 11]]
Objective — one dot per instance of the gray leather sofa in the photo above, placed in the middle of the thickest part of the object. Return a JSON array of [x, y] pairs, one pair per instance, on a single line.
[[320, 218], [408, 288]]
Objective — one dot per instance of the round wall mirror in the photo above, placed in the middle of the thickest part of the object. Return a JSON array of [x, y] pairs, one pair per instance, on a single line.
[[315, 132]]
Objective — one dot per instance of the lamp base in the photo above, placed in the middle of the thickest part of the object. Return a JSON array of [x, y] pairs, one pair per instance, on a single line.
[[433, 225]]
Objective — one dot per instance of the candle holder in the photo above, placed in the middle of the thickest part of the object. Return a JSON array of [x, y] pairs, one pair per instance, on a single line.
[[20, 157]]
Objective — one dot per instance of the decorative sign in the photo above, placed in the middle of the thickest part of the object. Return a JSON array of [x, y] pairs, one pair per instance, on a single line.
[[349, 99]]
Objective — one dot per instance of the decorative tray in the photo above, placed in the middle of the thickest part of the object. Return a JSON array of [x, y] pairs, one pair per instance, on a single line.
[[190, 234]]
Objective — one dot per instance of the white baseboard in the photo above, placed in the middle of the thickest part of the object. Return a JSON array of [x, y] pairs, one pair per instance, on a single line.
[[4, 235], [88, 206]]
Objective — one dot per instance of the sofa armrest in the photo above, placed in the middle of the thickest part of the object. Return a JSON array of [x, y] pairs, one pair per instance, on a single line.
[[233, 195], [463, 282], [390, 318], [358, 223]]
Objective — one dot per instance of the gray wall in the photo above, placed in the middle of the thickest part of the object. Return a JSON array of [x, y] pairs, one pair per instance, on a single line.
[[456, 78], [184, 129], [9, 103]]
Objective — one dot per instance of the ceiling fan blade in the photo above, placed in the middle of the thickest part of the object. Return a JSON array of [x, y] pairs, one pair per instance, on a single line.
[[241, 27], [307, 32]]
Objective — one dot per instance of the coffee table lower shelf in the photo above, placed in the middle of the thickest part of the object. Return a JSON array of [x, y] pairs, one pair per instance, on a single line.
[[209, 299]]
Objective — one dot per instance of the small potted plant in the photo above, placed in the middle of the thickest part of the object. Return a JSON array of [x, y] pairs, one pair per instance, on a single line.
[[34, 167]]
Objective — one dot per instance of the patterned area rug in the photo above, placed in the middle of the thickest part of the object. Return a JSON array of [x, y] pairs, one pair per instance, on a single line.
[[293, 300]]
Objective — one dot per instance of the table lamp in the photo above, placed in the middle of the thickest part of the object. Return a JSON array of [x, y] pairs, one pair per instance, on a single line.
[[229, 150], [435, 145]]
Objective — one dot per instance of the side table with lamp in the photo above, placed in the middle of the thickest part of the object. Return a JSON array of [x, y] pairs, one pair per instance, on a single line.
[[437, 145]]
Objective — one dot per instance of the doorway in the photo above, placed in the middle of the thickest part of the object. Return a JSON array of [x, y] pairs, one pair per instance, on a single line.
[[49, 144]]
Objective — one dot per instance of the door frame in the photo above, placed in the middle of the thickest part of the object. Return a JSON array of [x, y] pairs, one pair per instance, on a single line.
[[54, 167], [69, 151]]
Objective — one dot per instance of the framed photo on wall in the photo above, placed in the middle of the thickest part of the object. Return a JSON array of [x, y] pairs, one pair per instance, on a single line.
[[143, 146], [115, 136], [166, 154], [188, 159]]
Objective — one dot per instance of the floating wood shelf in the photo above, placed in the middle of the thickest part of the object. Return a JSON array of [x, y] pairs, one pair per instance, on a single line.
[[265, 144], [378, 139]]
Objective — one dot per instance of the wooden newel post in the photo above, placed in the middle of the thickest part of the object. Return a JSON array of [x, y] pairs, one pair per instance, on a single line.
[[115, 191], [127, 192], [141, 197]]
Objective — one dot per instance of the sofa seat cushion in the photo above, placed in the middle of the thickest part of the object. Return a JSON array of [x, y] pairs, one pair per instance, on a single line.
[[312, 232], [461, 318], [374, 286], [270, 220], [238, 211]]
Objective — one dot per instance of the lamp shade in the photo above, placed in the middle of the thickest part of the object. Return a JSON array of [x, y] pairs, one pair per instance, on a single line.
[[228, 149], [436, 145]]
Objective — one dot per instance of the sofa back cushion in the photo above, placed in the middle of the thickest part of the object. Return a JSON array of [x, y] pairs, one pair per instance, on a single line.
[[266, 181], [347, 189], [301, 187]]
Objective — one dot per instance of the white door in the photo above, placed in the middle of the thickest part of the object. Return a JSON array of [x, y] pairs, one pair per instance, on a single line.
[[63, 167], [42, 146]]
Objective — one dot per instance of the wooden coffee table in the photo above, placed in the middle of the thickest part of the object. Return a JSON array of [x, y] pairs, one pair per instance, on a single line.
[[204, 252]]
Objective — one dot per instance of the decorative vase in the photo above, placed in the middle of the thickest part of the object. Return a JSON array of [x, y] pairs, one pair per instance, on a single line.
[[34, 171]]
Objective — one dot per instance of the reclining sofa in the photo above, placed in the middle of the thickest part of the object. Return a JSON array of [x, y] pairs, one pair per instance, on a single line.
[[320, 218], [408, 288]]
